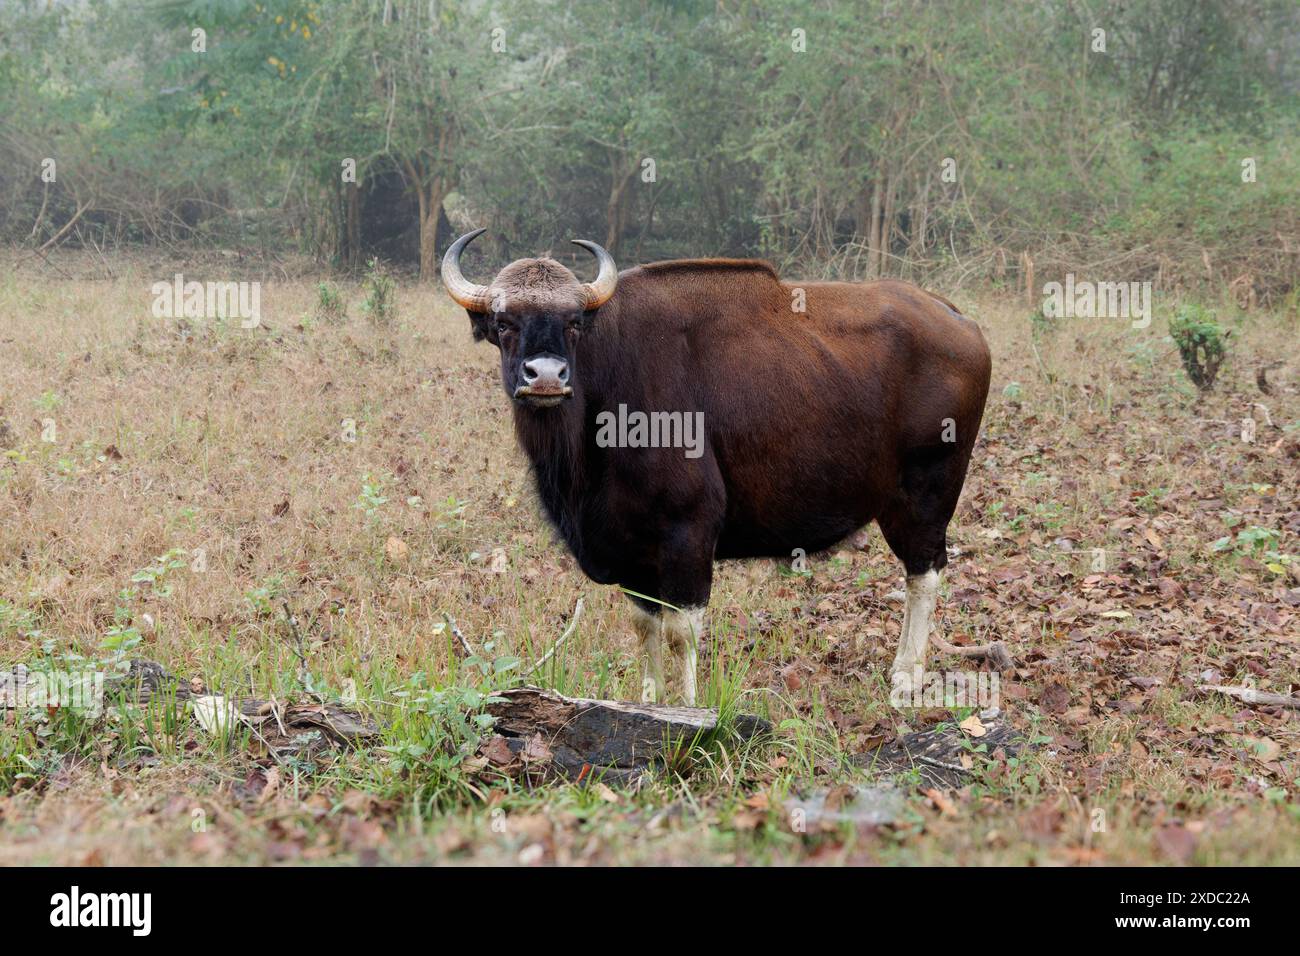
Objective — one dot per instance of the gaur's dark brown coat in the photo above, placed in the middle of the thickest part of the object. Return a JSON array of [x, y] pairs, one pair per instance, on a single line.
[[817, 423], [826, 405]]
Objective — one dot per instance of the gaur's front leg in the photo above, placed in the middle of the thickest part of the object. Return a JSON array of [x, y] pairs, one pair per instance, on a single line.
[[650, 639], [683, 631], [676, 615]]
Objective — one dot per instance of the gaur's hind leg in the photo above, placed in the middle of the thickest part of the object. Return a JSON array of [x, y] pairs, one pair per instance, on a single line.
[[918, 621], [915, 525]]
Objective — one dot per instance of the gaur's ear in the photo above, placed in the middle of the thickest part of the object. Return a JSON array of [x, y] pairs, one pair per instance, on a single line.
[[480, 326]]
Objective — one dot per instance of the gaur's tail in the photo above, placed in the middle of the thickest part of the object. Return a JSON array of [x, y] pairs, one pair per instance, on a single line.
[[935, 295]]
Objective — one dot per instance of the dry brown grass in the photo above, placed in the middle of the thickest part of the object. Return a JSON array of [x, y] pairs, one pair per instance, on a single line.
[[231, 441]]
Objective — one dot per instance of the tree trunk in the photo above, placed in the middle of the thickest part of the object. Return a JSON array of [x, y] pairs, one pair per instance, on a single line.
[[887, 228], [431, 197], [616, 209], [920, 218], [873, 232], [350, 229], [649, 220]]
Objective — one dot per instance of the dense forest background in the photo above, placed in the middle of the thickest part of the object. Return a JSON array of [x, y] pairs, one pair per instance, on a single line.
[[960, 138]]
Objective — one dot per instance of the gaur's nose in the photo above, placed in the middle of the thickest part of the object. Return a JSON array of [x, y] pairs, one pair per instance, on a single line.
[[546, 371]]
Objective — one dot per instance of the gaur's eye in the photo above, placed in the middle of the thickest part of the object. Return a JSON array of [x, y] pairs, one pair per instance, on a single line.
[[503, 328]]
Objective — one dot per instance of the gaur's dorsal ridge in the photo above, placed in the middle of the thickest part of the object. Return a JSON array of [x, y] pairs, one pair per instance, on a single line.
[[712, 265]]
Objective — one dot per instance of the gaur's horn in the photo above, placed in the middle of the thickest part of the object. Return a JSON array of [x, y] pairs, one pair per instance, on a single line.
[[597, 293], [468, 294]]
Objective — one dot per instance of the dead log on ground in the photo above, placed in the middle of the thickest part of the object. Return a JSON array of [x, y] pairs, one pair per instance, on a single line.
[[613, 740]]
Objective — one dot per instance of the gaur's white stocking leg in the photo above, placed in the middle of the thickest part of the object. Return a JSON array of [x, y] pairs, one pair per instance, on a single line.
[[684, 630], [649, 632], [918, 620]]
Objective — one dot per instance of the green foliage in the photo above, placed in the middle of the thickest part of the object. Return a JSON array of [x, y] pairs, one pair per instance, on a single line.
[[121, 639], [435, 731], [1201, 343], [17, 620], [33, 747], [380, 302], [371, 499], [1041, 324], [1250, 540], [155, 575], [330, 304], [881, 140], [1262, 544], [261, 599]]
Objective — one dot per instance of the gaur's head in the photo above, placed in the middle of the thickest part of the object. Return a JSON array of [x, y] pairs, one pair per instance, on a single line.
[[533, 312]]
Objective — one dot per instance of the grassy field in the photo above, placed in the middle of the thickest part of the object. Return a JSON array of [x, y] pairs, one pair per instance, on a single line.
[[364, 472]]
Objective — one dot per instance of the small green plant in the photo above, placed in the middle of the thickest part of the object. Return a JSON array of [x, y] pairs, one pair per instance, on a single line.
[[119, 641], [330, 304], [17, 766], [1041, 324], [1257, 543], [155, 575], [1150, 502], [380, 305], [48, 401], [371, 499], [263, 597], [434, 731], [17, 620], [158, 727], [1202, 344], [1257, 538], [124, 636]]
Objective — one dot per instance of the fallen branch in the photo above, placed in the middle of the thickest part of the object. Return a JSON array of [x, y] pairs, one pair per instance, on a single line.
[[1261, 376], [1250, 695], [577, 737], [40, 250], [466, 646], [1268, 419], [573, 624], [995, 653]]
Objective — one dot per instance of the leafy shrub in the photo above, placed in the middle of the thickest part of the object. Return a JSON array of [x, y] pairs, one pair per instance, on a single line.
[[1042, 324], [380, 306], [330, 305], [1201, 342]]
